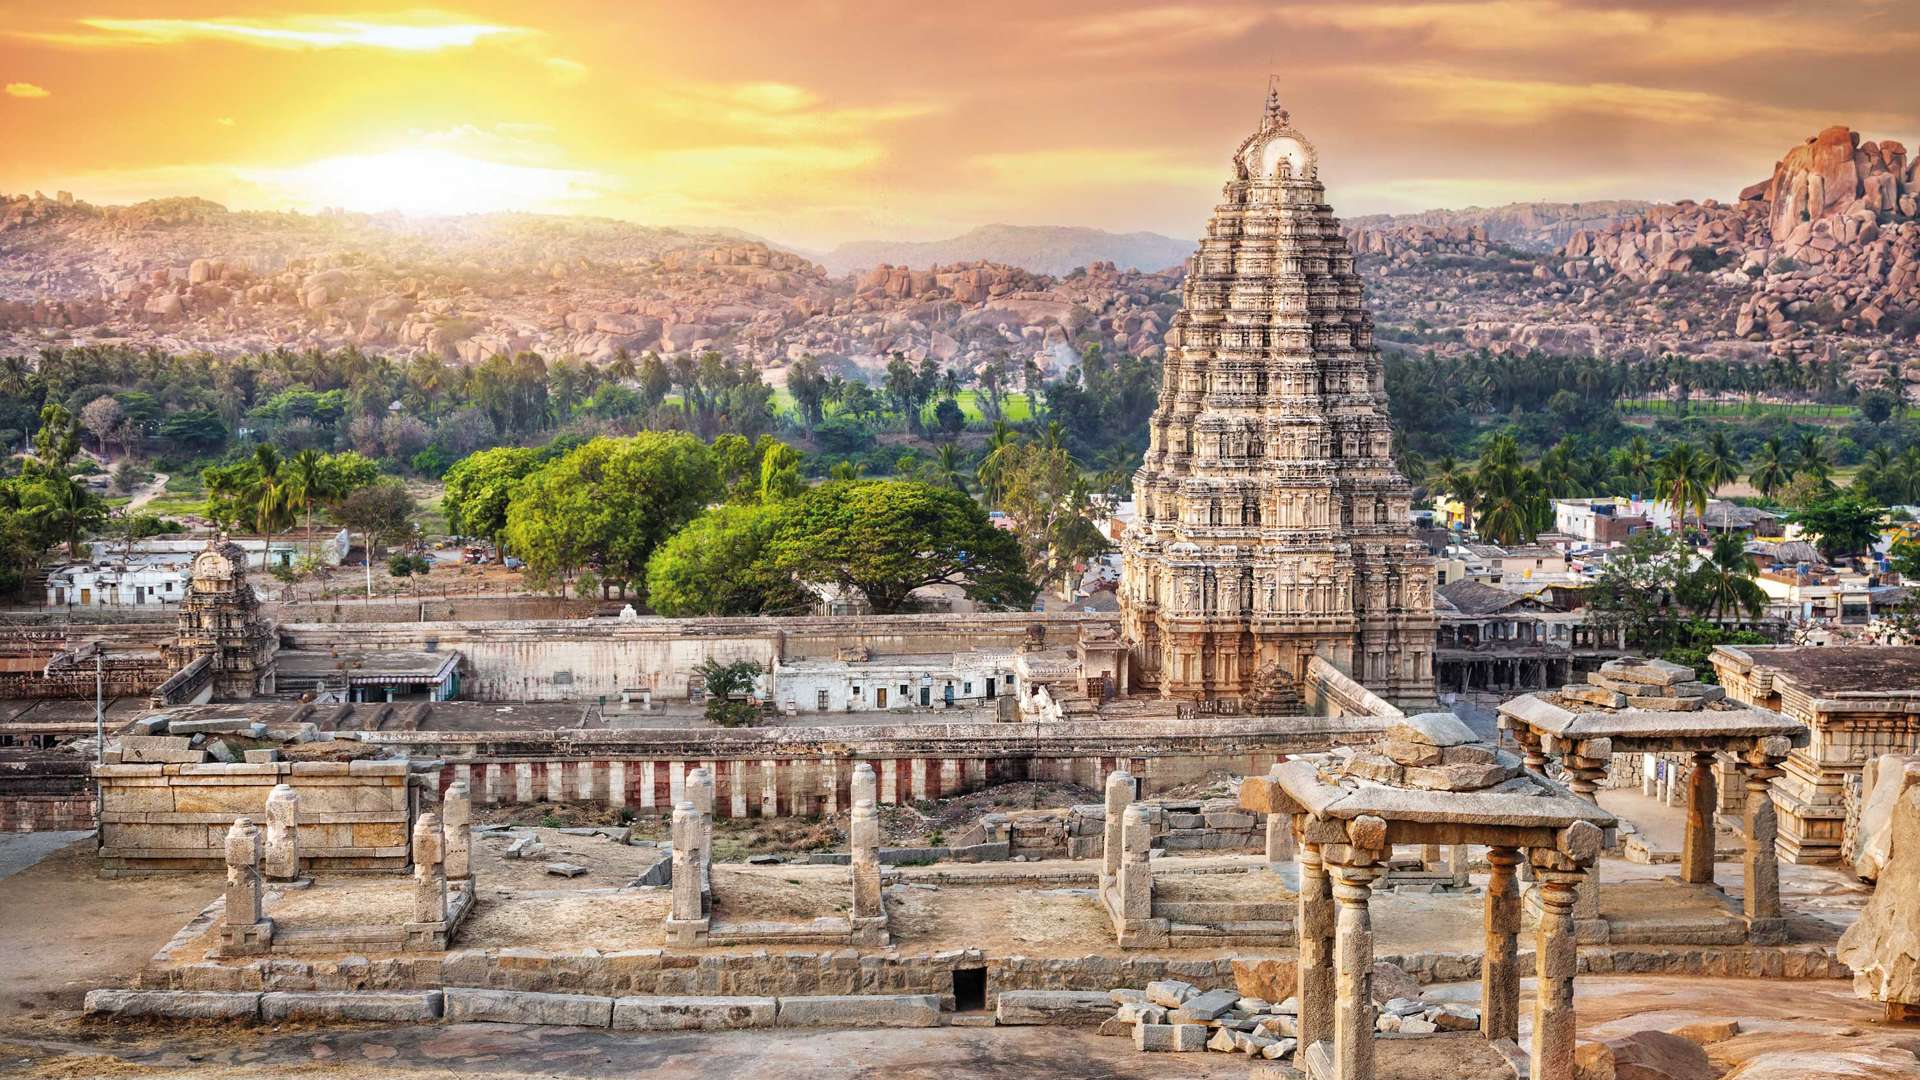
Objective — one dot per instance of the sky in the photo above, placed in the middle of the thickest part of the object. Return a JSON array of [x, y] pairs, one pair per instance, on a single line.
[[814, 122]]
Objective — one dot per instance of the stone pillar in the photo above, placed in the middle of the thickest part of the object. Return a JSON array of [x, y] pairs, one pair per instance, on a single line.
[[1353, 1014], [1556, 956], [456, 813], [1119, 797], [1500, 967], [687, 923], [1696, 850], [1761, 902], [1459, 860], [1314, 933], [1586, 767], [429, 870], [282, 861], [863, 785], [1279, 839], [247, 929], [869, 908], [1430, 858], [1133, 885], [699, 787]]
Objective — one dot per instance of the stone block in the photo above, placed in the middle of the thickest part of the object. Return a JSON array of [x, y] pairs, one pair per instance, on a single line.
[[210, 726], [467, 1005], [1451, 1017], [1594, 695], [1139, 1012], [1272, 978], [1229, 819], [861, 1011], [1647, 672], [1170, 1038], [395, 1006], [693, 1013], [1706, 1032], [1643, 1055], [1412, 753], [261, 757], [1665, 704], [1222, 1040], [1076, 1008], [1279, 1049], [1433, 729], [158, 749], [1203, 1007], [1170, 993], [174, 1004], [1459, 777]]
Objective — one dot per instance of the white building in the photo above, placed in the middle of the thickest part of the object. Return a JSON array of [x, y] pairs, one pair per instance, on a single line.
[[262, 554], [137, 581], [973, 679]]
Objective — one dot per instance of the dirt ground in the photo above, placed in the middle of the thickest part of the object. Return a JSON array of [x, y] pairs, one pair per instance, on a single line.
[[64, 930]]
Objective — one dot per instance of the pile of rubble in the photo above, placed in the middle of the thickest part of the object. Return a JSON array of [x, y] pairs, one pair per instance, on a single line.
[[1648, 685], [1177, 1017], [1431, 751]]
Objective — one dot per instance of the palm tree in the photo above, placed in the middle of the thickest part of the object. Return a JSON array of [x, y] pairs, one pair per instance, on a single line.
[[307, 481], [1635, 465], [1722, 464], [64, 508], [993, 464], [1461, 485], [271, 494], [947, 466], [1724, 581], [1813, 457], [1772, 468], [1682, 478], [1511, 497]]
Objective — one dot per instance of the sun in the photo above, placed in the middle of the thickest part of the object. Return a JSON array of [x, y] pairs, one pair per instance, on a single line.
[[424, 181]]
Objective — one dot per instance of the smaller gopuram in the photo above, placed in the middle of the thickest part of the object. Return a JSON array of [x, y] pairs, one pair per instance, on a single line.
[[220, 620]]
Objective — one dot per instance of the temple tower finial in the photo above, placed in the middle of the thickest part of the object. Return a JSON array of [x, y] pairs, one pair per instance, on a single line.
[[1275, 115]]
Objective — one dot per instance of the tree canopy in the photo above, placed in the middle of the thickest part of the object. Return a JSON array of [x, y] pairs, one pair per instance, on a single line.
[[720, 565], [887, 538]]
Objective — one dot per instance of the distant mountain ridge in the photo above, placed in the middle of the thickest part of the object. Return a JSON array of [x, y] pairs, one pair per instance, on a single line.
[[1040, 249]]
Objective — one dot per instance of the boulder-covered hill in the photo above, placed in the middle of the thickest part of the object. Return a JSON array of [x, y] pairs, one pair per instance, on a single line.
[[1526, 226], [188, 275], [1041, 249]]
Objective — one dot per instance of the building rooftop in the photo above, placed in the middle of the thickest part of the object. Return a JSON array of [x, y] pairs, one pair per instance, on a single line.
[[1835, 669], [382, 664]]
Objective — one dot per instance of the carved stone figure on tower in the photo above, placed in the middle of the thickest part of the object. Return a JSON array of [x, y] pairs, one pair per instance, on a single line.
[[1269, 459]]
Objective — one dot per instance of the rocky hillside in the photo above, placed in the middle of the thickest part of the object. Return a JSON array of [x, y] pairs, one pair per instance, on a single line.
[[1820, 259], [1536, 227], [1049, 249], [185, 274]]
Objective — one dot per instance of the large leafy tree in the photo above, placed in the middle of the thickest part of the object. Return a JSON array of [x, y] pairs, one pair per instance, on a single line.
[[1636, 590], [610, 503], [719, 565], [1843, 524], [480, 486], [382, 513], [1046, 495], [887, 538], [63, 509]]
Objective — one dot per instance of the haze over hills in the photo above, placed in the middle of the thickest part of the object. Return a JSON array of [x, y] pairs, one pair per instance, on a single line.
[[1042, 249], [1819, 260]]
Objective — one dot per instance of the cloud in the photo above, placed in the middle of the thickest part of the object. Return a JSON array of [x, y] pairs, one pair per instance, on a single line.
[[566, 72], [1155, 29], [27, 90], [423, 180], [1095, 168], [423, 32]]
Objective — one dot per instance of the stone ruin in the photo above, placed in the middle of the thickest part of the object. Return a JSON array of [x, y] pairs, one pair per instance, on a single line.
[[1883, 947], [691, 921], [443, 885], [1429, 781]]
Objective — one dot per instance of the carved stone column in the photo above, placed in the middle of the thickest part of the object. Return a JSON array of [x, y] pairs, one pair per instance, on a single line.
[[1586, 767], [1761, 902], [863, 785], [869, 907], [1133, 885], [1353, 1013], [1119, 796], [1500, 968], [1314, 935], [429, 871], [687, 924], [1556, 958], [282, 860], [247, 930], [456, 814], [1696, 850]]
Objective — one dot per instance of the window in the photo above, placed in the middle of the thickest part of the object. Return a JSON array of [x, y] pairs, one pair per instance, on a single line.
[[966, 688], [820, 700]]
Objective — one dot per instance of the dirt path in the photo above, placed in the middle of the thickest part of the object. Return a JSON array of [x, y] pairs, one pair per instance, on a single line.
[[148, 492]]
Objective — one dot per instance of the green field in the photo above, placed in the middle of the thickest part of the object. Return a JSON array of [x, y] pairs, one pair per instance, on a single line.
[[1753, 410], [1016, 406]]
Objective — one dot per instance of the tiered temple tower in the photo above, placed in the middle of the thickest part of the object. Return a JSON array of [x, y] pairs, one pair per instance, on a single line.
[[1272, 524], [220, 619]]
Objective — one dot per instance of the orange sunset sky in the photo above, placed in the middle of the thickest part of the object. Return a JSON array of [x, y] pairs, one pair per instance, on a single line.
[[813, 123]]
